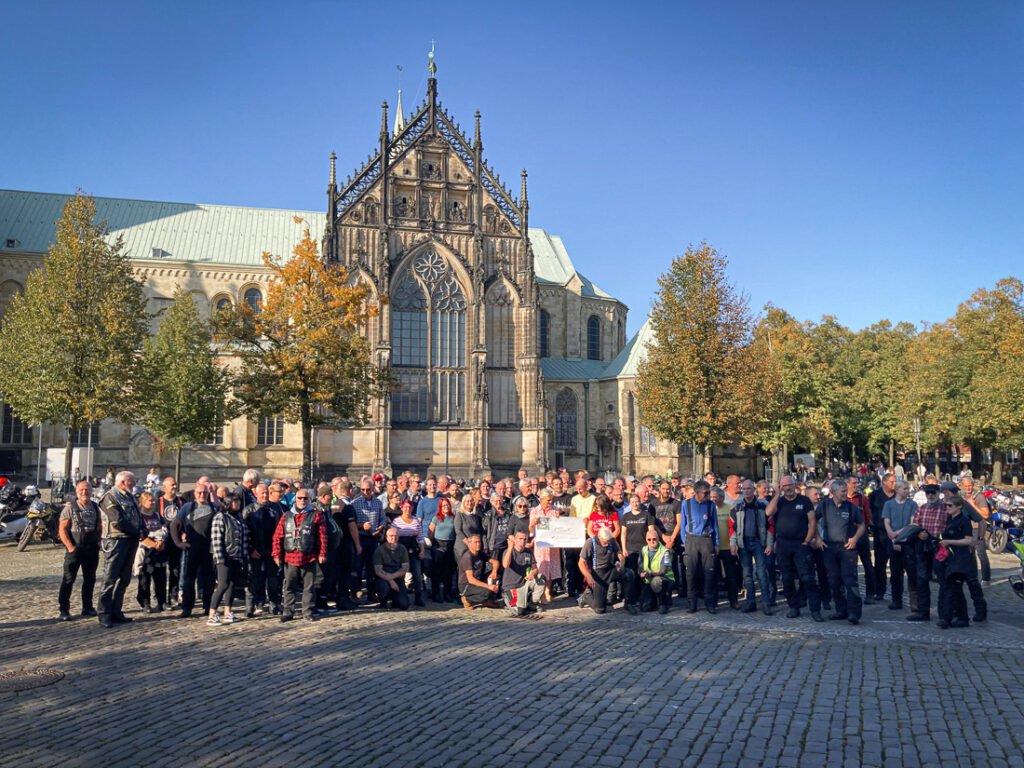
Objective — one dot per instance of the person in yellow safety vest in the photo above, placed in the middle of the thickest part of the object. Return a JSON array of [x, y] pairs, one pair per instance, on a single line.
[[657, 574]]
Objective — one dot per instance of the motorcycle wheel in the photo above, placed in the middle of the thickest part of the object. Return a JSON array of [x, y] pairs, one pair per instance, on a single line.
[[26, 535], [997, 540]]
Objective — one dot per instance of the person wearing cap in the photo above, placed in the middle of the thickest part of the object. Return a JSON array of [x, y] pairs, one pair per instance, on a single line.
[[931, 518], [840, 526], [896, 516], [601, 562], [698, 528]]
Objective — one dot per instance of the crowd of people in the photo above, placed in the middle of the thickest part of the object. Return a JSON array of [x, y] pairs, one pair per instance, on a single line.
[[297, 551]]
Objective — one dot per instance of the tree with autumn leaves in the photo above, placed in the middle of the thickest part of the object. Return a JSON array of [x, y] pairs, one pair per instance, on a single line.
[[301, 353], [687, 391], [69, 345], [715, 375]]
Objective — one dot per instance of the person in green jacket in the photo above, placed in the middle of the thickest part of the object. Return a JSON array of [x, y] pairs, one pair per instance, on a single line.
[[657, 575]]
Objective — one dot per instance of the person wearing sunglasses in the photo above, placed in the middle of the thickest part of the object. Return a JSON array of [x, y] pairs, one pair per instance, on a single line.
[[300, 542], [956, 558]]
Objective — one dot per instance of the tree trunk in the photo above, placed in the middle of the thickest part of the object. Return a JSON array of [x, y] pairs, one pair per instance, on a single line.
[[69, 449], [853, 458], [307, 443], [177, 465], [708, 453], [779, 462], [936, 468], [997, 467], [892, 454]]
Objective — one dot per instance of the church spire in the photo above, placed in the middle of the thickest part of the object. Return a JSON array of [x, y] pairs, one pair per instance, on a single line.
[[334, 177], [524, 205], [399, 117], [476, 132], [384, 119], [432, 80]]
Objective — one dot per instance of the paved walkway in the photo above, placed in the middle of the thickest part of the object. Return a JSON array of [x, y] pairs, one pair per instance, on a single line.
[[446, 687]]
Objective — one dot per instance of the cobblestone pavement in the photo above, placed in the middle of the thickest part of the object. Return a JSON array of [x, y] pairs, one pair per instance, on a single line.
[[448, 687]]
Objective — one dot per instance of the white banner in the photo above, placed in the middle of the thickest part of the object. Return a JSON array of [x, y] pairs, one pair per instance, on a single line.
[[564, 531]]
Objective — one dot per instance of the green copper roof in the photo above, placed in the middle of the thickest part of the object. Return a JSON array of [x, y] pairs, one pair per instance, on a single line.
[[571, 369], [627, 363], [217, 234], [552, 264], [191, 232]]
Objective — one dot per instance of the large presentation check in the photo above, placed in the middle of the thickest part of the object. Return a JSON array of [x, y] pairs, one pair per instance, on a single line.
[[569, 532]]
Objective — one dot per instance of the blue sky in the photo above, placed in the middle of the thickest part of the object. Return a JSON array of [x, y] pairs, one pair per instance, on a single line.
[[857, 159]]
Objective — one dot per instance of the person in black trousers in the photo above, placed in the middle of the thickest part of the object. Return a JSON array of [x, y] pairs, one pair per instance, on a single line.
[[79, 530], [191, 531]]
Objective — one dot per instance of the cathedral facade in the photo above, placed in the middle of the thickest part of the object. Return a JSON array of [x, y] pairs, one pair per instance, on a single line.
[[504, 355]]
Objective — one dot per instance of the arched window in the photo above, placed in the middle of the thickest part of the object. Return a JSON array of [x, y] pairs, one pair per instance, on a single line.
[[222, 304], [543, 321], [428, 334], [254, 298], [565, 420], [594, 338]]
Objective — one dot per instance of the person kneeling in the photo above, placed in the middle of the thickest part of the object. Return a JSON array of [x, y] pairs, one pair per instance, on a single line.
[[476, 591], [521, 583], [390, 564], [602, 564], [657, 574]]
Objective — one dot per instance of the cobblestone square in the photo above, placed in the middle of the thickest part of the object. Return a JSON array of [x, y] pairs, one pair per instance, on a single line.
[[447, 687]]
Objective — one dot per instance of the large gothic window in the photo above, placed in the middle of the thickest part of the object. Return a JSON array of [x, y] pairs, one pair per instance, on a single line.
[[502, 389], [501, 331], [593, 338], [543, 321], [428, 335], [565, 421]]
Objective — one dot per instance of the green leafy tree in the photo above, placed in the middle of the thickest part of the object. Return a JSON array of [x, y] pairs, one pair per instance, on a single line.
[[687, 389], [302, 353], [183, 391], [69, 344]]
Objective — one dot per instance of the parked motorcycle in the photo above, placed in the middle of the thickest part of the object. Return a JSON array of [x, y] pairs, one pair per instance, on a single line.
[[43, 520], [1017, 582]]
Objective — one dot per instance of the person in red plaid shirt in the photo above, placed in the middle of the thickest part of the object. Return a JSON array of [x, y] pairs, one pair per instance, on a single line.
[[300, 541], [931, 516]]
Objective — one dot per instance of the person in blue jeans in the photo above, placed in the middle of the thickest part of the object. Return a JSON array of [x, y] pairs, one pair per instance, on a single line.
[[751, 540]]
